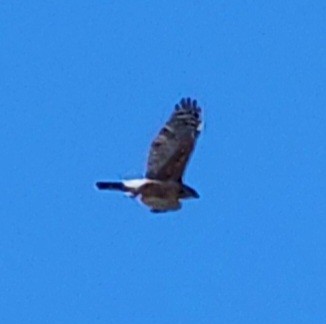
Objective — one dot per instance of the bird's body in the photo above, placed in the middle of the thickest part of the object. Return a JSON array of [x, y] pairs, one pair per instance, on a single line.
[[160, 195], [163, 187]]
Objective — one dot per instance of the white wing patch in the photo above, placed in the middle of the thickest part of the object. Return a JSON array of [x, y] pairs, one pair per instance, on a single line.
[[200, 127]]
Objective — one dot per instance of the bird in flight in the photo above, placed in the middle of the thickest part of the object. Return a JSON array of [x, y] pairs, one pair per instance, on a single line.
[[163, 188]]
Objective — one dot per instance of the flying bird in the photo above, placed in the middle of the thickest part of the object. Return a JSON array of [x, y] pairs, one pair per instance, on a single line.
[[162, 188]]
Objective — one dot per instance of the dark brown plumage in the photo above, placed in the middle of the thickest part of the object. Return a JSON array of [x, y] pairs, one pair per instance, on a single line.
[[163, 187]]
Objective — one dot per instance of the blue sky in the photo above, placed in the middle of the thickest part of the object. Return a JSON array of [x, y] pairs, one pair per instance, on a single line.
[[85, 86]]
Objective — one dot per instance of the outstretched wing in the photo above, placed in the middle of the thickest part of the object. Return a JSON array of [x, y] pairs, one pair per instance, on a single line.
[[172, 148]]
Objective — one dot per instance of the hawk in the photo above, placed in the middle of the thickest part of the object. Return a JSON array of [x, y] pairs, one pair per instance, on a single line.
[[163, 188]]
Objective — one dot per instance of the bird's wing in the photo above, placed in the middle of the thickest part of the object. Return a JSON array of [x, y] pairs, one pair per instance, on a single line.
[[172, 148]]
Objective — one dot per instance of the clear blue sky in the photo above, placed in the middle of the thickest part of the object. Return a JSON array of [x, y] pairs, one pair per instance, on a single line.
[[86, 85]]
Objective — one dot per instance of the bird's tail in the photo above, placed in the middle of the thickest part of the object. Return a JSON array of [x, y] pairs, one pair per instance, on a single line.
[[103, 185]]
